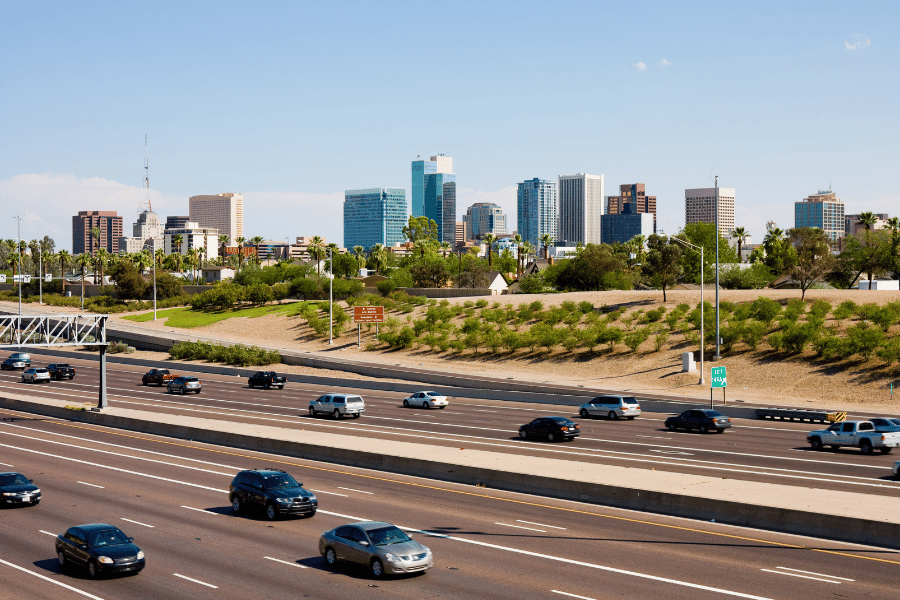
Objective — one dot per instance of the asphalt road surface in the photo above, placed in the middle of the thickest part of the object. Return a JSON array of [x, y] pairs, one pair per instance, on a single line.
[[171, 496], [766, 451]]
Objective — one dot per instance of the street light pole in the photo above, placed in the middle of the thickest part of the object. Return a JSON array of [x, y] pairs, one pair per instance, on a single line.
[[717, 269], [18, 250], [702, 320], [153, 257], [330, 295], [40, 274]]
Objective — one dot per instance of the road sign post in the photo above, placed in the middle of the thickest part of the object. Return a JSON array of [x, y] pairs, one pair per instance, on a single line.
[[367, 314], [718, 379]]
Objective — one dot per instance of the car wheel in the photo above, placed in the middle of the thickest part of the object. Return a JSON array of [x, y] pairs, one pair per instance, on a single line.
[[251, 385], [671, 426], [630, 418], [236, 505], [704, 428], [885, 450], [330, 557], [336, 414], [405, 403], [523, 434], [61, 559], [357, 415], [196, 391], [377, 569], [143, 382], [312, 411], [268, 386], [271, 513], [551, 437], [426, 406], [865, 447], [310, 514], [583, 413], [613, 415], [92, 570]]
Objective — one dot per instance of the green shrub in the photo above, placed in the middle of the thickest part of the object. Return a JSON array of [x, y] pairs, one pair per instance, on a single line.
[[237, 355], [481, 303], [731, 334], [797, 337], [890, 351], [765, 309], [512, 340], [585, 307], [660, 339], [672, 320], [633, 339], [753, 334], [883, 316], [820, 309], [795, 309], [776, 340], [829, 347], [864, 340], [536, 306], [386, 287], [652, 316], [845, 309]]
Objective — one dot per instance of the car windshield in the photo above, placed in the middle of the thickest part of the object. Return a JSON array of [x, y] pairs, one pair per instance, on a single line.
[[62, 366], [189, 379], [387, 535], [712, 413], [14, 479], [107, 537], [560, 420], [351, 399], [278, 481], [629, 400]]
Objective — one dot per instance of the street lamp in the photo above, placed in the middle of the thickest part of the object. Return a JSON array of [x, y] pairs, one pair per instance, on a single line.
[[717, 269], [702, 324], [330, 295], [18, 249], [153, 258]]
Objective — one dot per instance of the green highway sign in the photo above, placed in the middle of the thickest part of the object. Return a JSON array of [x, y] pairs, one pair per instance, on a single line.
[[718, 377]]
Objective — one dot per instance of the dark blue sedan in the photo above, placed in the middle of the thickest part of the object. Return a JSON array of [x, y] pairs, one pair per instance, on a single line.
[[100, 548]]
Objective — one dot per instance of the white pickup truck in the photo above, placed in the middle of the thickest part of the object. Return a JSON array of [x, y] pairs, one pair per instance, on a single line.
[[860, 434]]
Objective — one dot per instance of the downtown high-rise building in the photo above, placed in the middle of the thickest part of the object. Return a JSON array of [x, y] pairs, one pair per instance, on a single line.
[[374, 216], [536, 205], [700, 207], [823, 210], [420, 169], [634, 195], [580, 208], [147, 232], [224, 212], [440, 204], [108, 221], [484, 217]]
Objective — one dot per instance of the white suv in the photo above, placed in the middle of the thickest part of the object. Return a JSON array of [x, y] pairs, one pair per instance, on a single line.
[[612, 407], [338, 406]]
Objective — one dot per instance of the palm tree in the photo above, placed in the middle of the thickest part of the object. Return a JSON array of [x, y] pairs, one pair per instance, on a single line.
[[546, 239], [160, 257], [191, 259], [741, 234], [47, 259], [35, 250], [99, 263], [83, 260], [378, 257], [517, 239], [223, 243], [360, 254], [316, 249], [95, 234], [774, 235], [14, 261], [256, 241], [177, 240], [240, 246], [529, 249], [489, 239], [868, 219], [63, 256], [334, 250], [445, 247]]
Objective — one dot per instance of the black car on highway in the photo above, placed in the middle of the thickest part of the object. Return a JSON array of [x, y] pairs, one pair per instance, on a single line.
[[18, 490], [550, 429], [273, 491], [100, 548], [703, 420], [61, 371], [266, 379], [13, 364]]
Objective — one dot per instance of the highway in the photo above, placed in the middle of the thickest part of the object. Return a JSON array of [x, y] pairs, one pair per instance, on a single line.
[[764, 451], [171, 496]]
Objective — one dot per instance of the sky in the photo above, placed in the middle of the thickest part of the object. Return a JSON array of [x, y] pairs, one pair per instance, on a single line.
[[293, 103]]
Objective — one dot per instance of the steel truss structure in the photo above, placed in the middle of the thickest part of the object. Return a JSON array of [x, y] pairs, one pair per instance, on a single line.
[[53, 331]]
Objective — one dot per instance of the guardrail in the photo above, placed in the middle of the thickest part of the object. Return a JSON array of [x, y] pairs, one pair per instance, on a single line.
[[799, 414]]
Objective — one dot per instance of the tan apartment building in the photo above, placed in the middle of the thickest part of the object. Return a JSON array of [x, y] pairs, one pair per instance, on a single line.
[[110, 224], [224, 212], [700, 207]]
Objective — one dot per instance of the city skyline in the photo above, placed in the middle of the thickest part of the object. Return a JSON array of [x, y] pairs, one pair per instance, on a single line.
[[795, 100]]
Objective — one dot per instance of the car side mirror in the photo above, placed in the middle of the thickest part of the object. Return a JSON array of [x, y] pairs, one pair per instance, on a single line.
[[364, 543], [131, 539], [31, 481]]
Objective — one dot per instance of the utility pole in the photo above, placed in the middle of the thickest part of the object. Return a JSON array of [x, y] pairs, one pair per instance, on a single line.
[[330, 296], [717, 268], [18, 250]]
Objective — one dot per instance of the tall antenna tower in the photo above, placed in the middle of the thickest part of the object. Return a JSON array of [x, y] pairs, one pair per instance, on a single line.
[[146, 199]]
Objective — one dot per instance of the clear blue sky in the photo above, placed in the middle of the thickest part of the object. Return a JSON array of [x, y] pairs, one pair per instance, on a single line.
[[293, 103]]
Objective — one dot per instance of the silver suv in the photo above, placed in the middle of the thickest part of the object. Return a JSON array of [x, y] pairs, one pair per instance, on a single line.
[[612, 407], [338, 406]]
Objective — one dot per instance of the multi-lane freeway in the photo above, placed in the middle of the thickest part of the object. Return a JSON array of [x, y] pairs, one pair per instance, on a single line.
[[764, 451], [171, 496]]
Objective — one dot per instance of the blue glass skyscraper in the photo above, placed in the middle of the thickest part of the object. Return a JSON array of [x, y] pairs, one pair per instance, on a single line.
[[537, 210], [422, 168], [440, 204], [374, 216]]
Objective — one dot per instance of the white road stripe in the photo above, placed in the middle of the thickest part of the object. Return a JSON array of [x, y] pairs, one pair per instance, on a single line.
[[352, 490], [540, 524], [47, 532], [203, 510], [53, 581], [6, 465], [520, 527], [330, 493], [571, 595], [91, 484], [137, 523], [799, 575], [811, 573], [293, 564], [209, 585]]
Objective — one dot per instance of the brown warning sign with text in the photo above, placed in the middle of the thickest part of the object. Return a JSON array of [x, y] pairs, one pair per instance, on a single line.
[[368, 314]]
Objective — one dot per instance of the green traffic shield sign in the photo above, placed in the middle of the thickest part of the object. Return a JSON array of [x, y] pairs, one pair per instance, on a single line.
[[718, 378]]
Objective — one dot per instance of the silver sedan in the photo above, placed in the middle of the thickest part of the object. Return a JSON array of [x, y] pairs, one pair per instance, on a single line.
[[426, 400], [36, 375], [384, 548]]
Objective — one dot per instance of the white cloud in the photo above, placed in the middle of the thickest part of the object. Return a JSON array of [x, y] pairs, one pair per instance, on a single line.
[[640, 66], [664, 63], [859, 41]]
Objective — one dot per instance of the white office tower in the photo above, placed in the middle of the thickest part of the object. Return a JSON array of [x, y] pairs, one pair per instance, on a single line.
[[700, 207], [146, 233], [580, 207], [224, 212]]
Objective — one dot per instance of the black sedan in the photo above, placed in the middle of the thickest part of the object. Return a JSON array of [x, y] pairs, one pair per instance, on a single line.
[[13, 364], [266, 379], [703, 420], [551, 429], [100, 548], [16, 490]]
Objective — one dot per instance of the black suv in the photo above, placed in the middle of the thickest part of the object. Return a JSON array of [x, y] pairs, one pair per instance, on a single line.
[[272, 490], [60, 370]]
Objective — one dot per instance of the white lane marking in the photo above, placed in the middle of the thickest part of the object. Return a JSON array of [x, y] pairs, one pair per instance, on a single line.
[[352, 490], [672, 452], [7, 465], [540, 524], [293, 564], [137, 523], [812, 573], [91, 484], [84, 462], [47, 532], [482, 410], [801, 576], [652, 437], [520, 527], [53, 581], [329, 493], [571, 595], [203, 510], [209, 585]]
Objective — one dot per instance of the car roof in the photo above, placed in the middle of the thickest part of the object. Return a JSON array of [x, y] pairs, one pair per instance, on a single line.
[[557, 419], [96, 527], [370, 525], [11, 473]]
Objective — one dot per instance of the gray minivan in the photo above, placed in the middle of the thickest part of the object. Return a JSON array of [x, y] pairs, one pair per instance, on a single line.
[[338, 406], [613, 407]]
